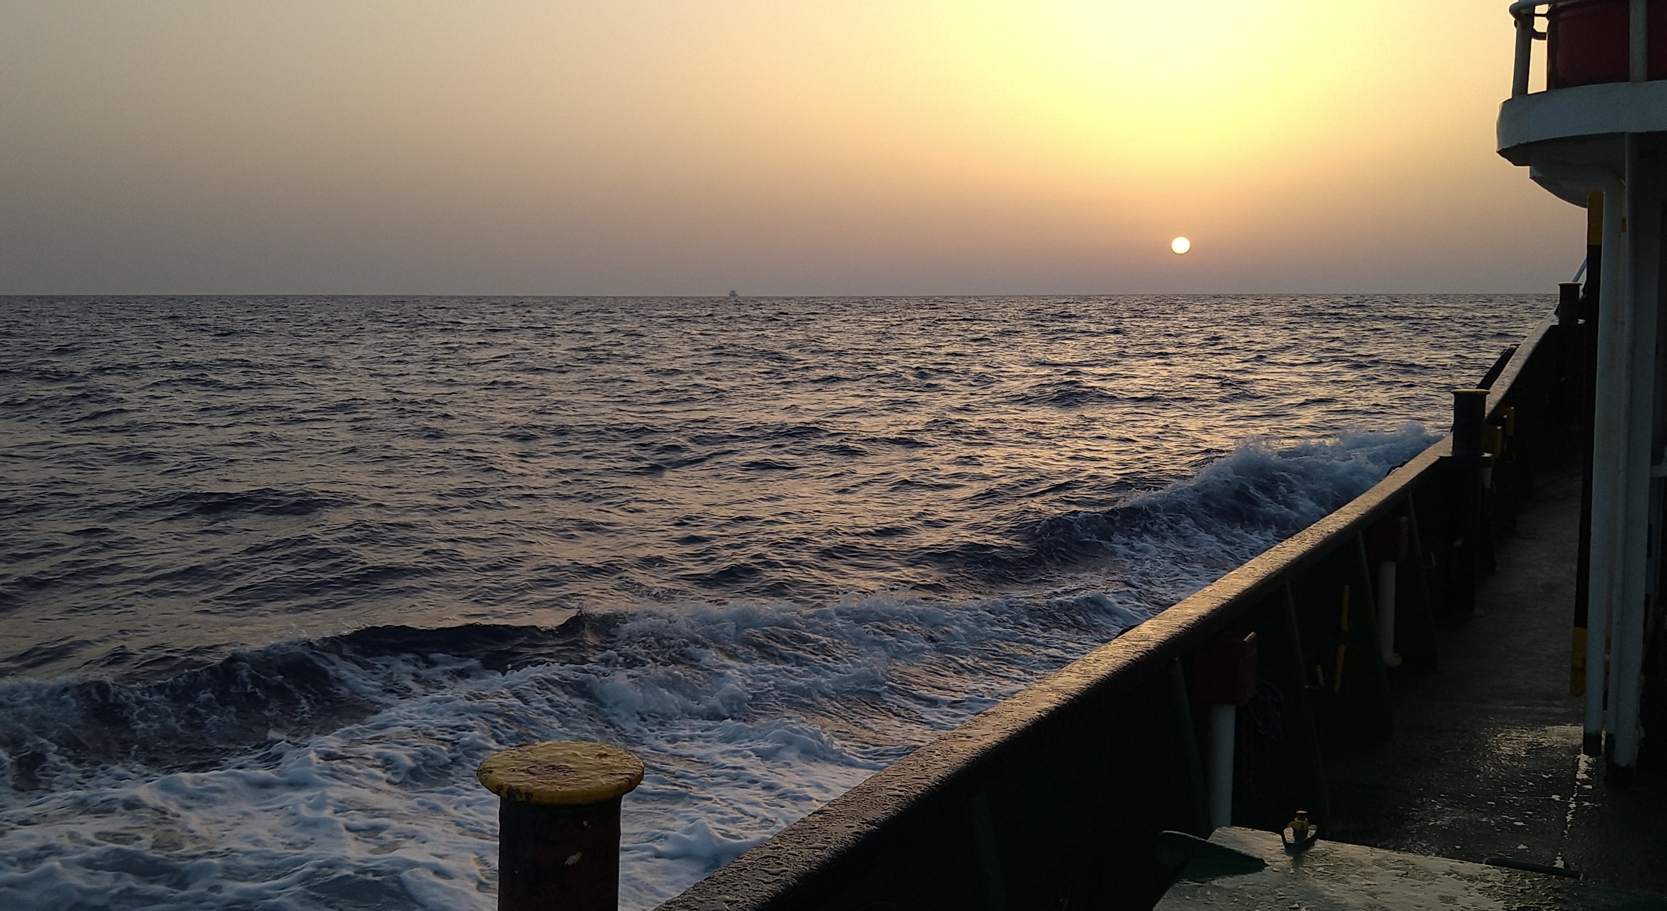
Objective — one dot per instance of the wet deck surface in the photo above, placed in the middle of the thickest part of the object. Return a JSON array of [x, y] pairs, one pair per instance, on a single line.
[[1330, 876], [1486, 756]]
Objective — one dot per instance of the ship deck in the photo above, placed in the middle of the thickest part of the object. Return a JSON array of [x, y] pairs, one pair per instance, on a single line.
[[1331, 876], [1485, 761]]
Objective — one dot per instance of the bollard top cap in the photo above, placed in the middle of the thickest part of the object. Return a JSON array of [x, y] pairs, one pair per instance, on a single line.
[[560, 773]]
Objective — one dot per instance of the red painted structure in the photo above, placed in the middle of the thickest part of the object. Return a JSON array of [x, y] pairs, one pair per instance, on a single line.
[[1587, 42]]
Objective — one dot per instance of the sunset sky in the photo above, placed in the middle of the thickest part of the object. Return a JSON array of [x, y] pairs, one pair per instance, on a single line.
[[589, 147]]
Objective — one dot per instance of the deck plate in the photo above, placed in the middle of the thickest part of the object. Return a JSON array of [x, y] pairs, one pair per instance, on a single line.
[[1330, 876]]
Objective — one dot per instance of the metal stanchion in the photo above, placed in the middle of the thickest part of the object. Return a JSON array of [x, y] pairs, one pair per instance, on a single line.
[[1222, 674], [1466, 529], [1387, 544]]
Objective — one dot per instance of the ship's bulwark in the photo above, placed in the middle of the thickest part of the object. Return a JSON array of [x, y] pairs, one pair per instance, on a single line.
[[1044, 801]]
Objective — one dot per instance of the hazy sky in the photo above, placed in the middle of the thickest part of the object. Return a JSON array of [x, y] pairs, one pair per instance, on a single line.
[[578, 147]]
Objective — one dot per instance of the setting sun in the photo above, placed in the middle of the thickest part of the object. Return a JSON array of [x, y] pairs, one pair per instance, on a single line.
[[586, 147], [1180, 245]]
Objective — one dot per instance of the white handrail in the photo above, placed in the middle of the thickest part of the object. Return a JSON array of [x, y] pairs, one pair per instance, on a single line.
[[1524, 12], [1525, 47]]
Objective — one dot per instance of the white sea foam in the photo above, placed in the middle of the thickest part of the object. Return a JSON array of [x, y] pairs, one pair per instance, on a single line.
[[730, 706], [747, 715]]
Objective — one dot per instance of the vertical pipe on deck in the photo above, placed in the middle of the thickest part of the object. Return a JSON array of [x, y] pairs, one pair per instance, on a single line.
[[1307, 766], [1386, 544], [1223, 728], [1370, 702], [1586, 358], [1222, 674], [1415, 641], [1627, 648], [1609, 418], [1525, 47], [1386, 613], [1465, 531], [1181, 738], [985, 844]]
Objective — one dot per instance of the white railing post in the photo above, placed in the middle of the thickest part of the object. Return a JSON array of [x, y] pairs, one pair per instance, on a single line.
[[1223, 737], [1524, 17], [1222, 675]]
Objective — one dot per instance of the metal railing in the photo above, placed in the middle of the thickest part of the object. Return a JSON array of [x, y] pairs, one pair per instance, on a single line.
[[1525, 12]]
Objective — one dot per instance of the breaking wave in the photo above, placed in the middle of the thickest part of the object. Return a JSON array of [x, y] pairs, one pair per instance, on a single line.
[[337, 772]]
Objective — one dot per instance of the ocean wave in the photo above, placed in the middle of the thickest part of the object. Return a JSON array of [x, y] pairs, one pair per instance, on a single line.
[[340, 768], [353, 755], [175, 714], [1169, 541], [1065, 393], [257, 501], [1175, 540]]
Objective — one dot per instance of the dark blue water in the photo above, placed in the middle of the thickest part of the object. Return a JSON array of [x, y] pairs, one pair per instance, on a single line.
[[280, 571]]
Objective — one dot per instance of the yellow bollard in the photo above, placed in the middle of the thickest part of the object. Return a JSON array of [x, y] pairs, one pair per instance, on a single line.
[[558, 834]]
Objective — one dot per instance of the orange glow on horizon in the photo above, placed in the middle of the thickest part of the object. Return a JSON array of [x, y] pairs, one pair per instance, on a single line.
[[653, 146]]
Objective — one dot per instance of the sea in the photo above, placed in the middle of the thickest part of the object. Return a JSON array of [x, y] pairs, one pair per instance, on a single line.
[[277, 573]]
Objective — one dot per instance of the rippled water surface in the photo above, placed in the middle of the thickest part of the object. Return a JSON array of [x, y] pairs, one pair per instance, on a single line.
[[280, 571]]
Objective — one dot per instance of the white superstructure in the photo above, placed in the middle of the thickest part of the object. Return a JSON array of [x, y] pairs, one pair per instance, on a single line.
[[1597, 136]]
